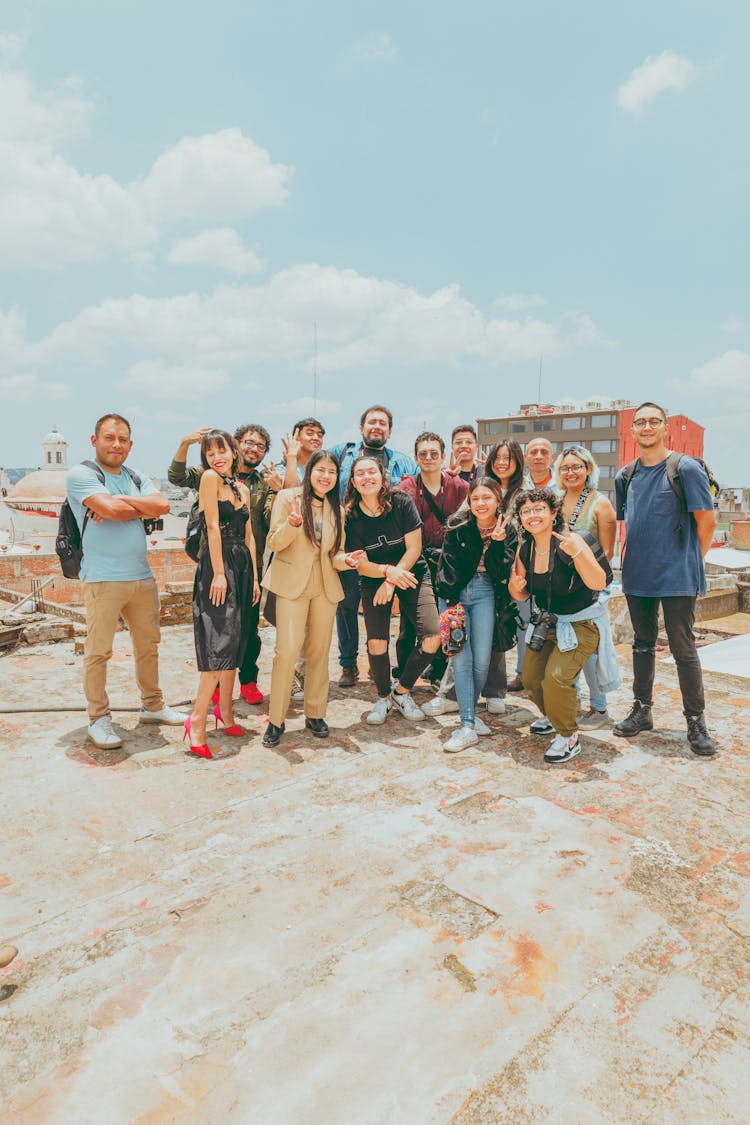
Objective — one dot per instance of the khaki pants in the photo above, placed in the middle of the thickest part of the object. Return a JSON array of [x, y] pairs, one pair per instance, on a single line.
[[550, 676], [306, 620], [138, 605]]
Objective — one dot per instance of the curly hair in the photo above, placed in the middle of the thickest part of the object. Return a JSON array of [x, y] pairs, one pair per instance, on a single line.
[[351, 496], [536, 496]]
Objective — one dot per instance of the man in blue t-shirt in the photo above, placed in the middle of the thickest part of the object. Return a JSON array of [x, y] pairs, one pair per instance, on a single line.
[[117, 580], [375, 426], [663, 563]]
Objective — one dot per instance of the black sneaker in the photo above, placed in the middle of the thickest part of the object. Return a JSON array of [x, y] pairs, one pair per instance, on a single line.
[[639, 719], [698, 737], [348, 677]]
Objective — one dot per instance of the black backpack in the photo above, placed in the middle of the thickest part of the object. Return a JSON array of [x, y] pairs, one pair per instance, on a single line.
[[673, 476], [194, 533], [69, 541]]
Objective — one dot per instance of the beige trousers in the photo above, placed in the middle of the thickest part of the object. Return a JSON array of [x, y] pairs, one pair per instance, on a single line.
[[138, 605], [306, 620]]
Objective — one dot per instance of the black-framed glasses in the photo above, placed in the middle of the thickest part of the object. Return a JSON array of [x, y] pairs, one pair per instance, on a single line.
[[641, 423]]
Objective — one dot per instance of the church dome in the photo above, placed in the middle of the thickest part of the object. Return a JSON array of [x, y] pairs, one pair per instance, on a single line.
[[54, 437], [42, 484]]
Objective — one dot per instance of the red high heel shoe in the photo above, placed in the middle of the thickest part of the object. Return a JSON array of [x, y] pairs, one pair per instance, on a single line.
[[200, 751], [215, 697], [235, 731]]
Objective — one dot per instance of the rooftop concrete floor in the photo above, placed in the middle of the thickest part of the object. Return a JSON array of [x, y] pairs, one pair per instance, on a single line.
[[368, 930]]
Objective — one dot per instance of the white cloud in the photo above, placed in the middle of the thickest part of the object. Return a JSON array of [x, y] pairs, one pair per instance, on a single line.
[[667, 71], [28, 386], [11, 45], [52, 214], [362, 321], [159, 380], [732, 324], [378, 45], [221, 248], [729, 372], [303, 407], [514, 302]]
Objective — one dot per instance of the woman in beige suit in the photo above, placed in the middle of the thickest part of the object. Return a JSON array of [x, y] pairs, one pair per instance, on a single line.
[[307, 538]]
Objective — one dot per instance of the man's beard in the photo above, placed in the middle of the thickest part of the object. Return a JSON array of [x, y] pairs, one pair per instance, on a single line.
[[246, 466], [375, 443]]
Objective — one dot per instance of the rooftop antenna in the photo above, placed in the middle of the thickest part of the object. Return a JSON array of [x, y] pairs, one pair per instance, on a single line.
[[539, 388]]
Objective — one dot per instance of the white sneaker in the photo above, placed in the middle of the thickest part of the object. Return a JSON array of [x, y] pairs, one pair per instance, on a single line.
[[460, 739], [542, 725], [440, 705], [563, 749], [403, 701], [480, 727], [167, 715], [380, 711], [496, 706], [102, 734]]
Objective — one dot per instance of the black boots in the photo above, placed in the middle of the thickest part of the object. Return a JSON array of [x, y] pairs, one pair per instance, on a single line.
[[273, 734], [319, 727], [639, 719], [698, 737]]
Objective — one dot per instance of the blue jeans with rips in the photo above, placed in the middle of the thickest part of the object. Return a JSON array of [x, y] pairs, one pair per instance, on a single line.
[[470, 665]]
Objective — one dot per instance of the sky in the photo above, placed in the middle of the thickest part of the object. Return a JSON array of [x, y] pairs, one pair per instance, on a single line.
[[243, 212]]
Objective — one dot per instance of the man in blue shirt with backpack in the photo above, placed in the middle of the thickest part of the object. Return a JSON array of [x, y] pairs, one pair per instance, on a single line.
[[666, 502]]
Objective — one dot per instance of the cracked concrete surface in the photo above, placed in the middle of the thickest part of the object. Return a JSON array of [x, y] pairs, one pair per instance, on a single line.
[[365, 929]]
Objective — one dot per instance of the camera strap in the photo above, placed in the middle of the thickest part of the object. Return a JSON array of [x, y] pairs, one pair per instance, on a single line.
[[550, 564]]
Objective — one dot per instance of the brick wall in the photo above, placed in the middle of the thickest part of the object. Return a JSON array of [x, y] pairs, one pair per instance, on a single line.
[[17, 572]]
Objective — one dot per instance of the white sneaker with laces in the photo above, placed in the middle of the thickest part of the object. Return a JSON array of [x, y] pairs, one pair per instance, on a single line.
[[403, 701], [496, 706], [440, 705], [103, 735], [460, 739], [380, 711], [563, 749], [481, 727], [168, 715], [542, 725]]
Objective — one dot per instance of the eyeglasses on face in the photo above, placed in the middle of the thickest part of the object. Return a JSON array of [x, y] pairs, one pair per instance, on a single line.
[[428, 454], [536, 510], [566, 470], [652, 423], [253, 443]]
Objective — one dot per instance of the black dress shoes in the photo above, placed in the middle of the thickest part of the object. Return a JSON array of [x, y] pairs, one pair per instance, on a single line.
[[319, 727], [273, 734]]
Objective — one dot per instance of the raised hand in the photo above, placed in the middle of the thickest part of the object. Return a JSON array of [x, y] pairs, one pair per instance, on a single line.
[[499, 530], [517, 581], [570, 542], [294, 519], [195, 435], [271, 476], [291, 446], [454, 467]]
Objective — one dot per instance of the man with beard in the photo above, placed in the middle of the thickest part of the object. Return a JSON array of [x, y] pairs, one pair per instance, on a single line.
[[253, 442], [375, 426]]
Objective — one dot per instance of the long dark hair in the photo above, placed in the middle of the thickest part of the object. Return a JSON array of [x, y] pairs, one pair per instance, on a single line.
[[223, 440], [351, 496], [308, 523], [516, 479]]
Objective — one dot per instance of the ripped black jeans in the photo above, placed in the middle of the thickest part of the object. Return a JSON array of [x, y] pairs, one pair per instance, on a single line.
[[679, 618]]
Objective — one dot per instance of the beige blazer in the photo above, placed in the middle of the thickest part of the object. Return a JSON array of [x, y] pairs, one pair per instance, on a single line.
[[294, 554]]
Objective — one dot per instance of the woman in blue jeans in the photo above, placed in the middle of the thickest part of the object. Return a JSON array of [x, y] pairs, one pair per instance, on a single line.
[[474, 568]]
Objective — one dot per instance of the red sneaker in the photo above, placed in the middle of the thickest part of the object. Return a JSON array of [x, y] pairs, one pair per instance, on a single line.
[[250, 693]]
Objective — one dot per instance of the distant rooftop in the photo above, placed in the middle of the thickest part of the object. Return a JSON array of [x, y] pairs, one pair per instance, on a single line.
[[569, 406]]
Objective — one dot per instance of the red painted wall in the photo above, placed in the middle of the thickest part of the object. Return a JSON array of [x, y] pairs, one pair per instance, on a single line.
[[683, 436]]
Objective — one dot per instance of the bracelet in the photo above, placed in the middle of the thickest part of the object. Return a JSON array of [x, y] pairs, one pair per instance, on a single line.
[[387, 583], [386, 568], [575, 556]]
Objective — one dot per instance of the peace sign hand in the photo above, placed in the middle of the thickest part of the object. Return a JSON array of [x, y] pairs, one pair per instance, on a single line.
[[271, 476], [294, 519], [570, 542], [517, 582], [454, 468], [499, 530], [291, 446]]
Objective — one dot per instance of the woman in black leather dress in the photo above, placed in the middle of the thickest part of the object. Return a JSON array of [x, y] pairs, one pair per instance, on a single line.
[[225, 586]]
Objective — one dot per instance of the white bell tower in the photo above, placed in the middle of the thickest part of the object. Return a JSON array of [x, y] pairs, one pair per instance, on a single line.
[[55, 449]]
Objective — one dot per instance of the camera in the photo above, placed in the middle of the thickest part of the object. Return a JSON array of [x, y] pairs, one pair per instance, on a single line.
[[153, 525], [542, 620]]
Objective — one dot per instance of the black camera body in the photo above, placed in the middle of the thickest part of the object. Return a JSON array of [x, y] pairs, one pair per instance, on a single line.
[[153, 525], [542, 620]]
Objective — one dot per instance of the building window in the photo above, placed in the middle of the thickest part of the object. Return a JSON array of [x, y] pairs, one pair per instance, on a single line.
[[517, 428], [603, 421], [543, 425], [494, 427], [58, 458], [604, 446], [49, 458], [571, 423]]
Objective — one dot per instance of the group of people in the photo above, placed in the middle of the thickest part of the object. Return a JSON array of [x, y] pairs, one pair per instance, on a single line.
[[482, 555]]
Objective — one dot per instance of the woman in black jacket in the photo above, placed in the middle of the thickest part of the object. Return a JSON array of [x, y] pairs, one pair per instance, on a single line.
[[474, 567]]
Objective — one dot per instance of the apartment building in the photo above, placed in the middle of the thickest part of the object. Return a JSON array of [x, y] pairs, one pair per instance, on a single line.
[[603, 427]]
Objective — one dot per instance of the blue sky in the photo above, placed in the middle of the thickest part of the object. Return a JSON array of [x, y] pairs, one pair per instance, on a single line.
[[449, 193]]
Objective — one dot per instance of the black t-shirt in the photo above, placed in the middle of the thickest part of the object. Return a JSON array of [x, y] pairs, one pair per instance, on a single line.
[[569, 592], [382, 537]]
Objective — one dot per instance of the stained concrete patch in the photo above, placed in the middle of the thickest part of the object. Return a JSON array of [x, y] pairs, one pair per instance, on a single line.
[[458, 915]]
